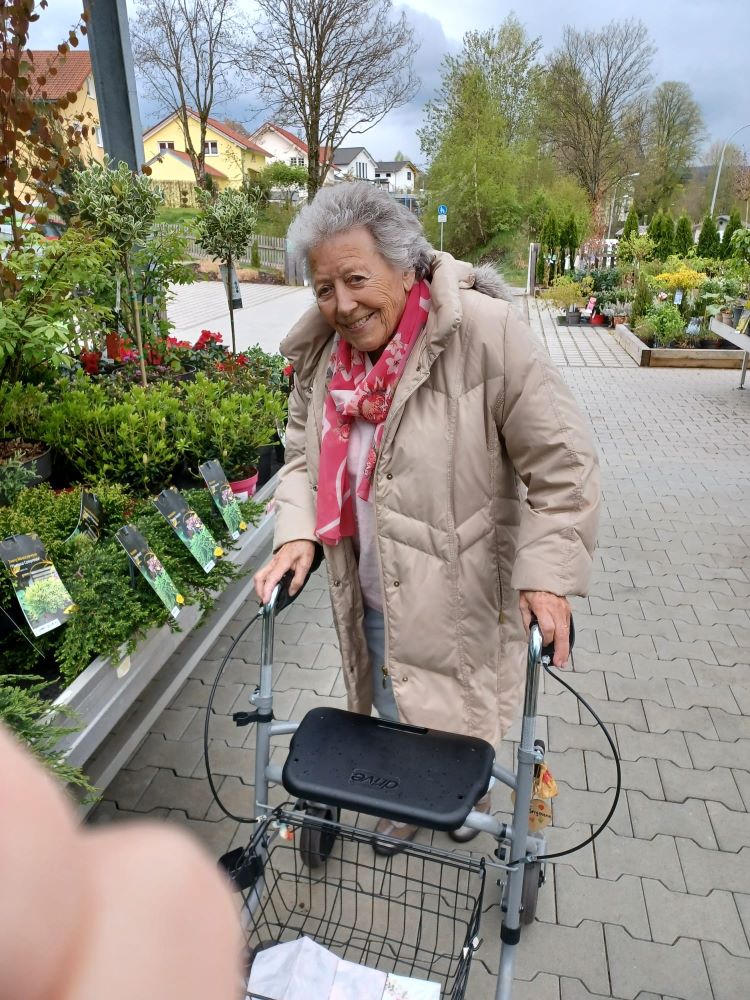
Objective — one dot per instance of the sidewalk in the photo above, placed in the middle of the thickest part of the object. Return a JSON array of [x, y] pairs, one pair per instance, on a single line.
[[659, 906], [268, 312]]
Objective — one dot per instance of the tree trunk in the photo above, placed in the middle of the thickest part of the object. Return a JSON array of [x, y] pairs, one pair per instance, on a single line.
[[229, 299], [136, 320], [476, 204]]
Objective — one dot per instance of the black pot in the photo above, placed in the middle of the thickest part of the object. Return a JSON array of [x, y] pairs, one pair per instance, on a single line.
[[41, 465], [573, 318], [736, 313]]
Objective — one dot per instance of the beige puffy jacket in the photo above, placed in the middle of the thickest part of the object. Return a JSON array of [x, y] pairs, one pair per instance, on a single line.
[[478, 408]]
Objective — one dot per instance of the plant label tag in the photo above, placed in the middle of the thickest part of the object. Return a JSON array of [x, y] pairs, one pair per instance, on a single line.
[[43, 597], [189, 528], [144, 559], [123, 667], [231, 286], [223, 497], [90, 518]]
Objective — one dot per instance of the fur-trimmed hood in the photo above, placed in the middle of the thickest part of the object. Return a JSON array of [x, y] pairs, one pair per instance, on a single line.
[[448, 280]]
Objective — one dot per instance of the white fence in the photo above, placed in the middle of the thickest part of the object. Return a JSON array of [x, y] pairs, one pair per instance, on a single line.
[[271, 249]]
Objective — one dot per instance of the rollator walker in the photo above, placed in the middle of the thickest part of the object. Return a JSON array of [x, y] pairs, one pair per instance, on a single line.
[[416, 913]]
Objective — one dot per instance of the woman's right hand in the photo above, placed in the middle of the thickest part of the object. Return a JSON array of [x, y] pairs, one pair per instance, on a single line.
[[296, 556]]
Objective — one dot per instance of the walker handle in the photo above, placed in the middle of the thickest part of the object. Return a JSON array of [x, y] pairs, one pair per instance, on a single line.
[[283, 600], [549, 651]]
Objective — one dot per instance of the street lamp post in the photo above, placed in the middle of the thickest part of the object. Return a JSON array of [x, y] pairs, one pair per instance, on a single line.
[[721, 164], [612, 210]]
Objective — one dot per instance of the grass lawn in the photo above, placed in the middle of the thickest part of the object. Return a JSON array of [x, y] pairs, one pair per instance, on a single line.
[[177, 216]]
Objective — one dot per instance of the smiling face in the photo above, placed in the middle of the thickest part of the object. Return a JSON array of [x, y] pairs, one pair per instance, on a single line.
[[359, 293]]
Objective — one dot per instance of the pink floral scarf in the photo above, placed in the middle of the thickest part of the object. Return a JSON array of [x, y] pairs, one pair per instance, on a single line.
[[352, 393]]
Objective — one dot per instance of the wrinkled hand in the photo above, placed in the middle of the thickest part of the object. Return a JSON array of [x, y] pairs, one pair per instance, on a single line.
[[297, 556], [553, 615]]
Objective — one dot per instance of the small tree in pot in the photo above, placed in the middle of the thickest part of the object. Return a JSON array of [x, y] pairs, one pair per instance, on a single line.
[[120, 205], [224, 229]]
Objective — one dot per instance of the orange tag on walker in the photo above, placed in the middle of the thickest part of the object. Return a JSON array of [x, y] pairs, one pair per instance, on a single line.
[[545, 786], [540, 807]]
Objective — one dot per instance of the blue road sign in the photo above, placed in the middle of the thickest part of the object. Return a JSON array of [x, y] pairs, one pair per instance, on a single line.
[[442, 210]]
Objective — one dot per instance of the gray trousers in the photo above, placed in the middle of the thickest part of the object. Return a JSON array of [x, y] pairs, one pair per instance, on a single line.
[[382, 689]]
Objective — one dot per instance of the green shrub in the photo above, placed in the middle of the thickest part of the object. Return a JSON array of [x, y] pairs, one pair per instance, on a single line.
[[24, 709], [643, 299], [683, 236], [110, 612], [665, 324], [709, 244]]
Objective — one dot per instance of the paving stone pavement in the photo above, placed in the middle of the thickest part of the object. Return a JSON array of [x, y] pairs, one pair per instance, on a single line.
[[659, 905]]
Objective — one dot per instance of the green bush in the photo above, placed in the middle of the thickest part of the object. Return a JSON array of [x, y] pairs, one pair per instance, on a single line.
[[24, 709], [643, 299], [219, 423], [665, 324], [683, 237], [709, 244], [110, 612], [124, 435]]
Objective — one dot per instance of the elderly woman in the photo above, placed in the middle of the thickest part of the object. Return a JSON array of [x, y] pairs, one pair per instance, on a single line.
[[421, 400]]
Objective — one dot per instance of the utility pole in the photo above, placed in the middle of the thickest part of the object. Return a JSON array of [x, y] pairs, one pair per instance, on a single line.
[[721, 164], [114, 81]]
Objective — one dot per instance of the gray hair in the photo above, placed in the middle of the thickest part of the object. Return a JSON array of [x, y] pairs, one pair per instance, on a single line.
[[396, 231]]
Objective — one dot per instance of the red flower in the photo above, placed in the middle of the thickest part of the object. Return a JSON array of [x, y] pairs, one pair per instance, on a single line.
[[90, 361], [220, 366], [241, 360], [289, 370]]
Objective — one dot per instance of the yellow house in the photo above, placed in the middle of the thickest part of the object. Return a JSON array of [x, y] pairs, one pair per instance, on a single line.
[[65, 75], [230, 156]]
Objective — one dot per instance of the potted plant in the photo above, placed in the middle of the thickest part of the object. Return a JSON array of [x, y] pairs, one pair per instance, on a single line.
[[663, 325], [221, 423], [569, 296], [21, 407]]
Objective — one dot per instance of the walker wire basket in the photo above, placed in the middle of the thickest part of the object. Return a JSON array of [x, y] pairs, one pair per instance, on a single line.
[[415, 914]]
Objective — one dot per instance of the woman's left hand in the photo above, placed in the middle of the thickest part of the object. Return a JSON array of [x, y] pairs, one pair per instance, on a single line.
[[553, 615]]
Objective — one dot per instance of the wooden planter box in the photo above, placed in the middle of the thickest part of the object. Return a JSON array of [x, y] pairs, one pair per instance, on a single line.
[[104, 692], [669, 357]]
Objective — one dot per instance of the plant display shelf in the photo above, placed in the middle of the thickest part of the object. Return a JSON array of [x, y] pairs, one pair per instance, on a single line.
[[677, 357], [101, 696]]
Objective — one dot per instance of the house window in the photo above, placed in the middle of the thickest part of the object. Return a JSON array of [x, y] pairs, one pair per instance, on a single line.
[[163, 146], [387, 175], [211, 148], [296, 161], [90, 87], [361, 171], [408, 175], [99, 137]]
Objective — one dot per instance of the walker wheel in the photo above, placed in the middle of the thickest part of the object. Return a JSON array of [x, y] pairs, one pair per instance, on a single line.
[[315, 841], [532, 879]]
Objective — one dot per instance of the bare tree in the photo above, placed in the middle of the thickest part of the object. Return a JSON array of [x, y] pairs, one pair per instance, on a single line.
[[187, 51], [595, 102], [330, 68], [673, 132], [742, 184]]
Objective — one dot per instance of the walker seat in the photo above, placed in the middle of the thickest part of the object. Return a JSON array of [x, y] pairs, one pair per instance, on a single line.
[[405, 773]]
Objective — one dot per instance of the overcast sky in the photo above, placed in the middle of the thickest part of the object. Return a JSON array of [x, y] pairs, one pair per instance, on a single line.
[[702, 42]]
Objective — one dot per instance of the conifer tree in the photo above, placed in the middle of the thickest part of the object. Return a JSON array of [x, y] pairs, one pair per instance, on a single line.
[[709, 244], [683, 237], [735, 223], [631, 224], [665, 239]]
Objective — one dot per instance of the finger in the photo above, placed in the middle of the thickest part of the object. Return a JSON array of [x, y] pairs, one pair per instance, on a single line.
[[562, 643], [525, 614], [547, 626], [301, 568]]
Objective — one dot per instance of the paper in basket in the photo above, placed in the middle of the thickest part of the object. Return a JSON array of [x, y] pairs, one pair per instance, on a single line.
[[304, 970]]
